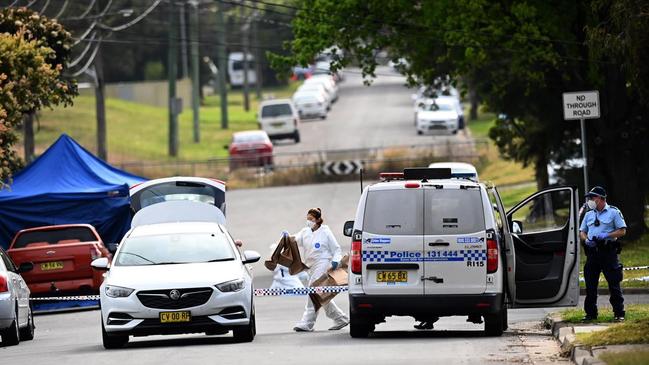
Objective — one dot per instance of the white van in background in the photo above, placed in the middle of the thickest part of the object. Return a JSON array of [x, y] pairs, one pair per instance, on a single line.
[[235, 69]]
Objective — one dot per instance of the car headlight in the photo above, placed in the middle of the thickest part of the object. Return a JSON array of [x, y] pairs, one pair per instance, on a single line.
[[231, 286], [451, 121], [118, 291]]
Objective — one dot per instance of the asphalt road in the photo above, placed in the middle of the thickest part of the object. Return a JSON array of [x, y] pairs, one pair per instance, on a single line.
[[74, 338], [380, 115]]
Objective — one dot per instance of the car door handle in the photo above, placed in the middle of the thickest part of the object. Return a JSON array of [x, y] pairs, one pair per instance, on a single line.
[[434, 279], [439, 243]]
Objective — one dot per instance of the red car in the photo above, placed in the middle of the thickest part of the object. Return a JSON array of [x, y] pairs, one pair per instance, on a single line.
[[251, 148], [61, 256]]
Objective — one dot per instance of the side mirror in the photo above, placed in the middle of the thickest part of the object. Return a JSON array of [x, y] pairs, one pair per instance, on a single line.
[[238, 243], [100, 264], [348, 228], [25, 267], [517, 227], [112, 247], [250, 257]]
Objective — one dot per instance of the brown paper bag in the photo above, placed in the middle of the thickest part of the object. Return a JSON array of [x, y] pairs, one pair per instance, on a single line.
[[336, 277]]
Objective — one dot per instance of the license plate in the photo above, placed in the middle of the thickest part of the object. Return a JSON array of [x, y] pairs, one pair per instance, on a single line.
[[277, 125], [49, 266], [175, 317], [392, 277]]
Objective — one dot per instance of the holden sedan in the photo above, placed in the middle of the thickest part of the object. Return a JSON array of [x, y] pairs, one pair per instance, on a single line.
[[250, 148], [177, 271]]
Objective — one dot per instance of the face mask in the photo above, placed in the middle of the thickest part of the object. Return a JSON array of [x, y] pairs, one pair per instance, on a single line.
[[310, 224], [591, 204]]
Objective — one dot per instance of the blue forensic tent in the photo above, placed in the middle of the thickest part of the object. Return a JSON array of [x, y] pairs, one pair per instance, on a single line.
[[65, 185]]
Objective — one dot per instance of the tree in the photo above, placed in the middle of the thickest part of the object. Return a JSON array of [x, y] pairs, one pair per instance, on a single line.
[[32, 58], [520, 57]]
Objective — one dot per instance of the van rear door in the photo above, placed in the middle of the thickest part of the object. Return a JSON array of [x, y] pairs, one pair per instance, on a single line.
[[392, 245], [455, 251]]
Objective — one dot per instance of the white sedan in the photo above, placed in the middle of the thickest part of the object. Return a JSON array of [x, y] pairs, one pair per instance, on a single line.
[[437, 115], [310, 104], [16, 316], [177, 271]]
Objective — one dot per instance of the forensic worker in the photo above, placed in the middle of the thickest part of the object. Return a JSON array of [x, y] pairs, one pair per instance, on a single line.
[[321, 253], [602, 225]]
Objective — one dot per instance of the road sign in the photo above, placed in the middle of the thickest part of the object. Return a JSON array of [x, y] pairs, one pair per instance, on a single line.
[[342, 167], [581, 105]]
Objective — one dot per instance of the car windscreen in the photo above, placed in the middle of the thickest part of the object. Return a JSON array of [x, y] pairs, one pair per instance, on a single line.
[[249, 138], [56, 236], [394, 212], [276, 110], [181, 248], [453, 211], [433, 107], [178, 190]]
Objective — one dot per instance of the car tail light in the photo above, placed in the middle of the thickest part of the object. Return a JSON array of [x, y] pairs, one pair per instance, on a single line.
[[356, 259], [4, 284], [492, 253]]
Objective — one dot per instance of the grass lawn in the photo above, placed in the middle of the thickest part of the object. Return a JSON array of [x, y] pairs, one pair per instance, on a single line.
[[631, 332], [139, 132], [639, 357], [492, 167], [634, 313]]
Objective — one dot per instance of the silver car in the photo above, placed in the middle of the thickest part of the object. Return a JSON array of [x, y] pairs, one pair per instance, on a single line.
[[16, 317]]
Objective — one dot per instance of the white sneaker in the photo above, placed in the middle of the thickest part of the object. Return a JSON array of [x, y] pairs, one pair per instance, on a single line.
[[302, 329], [339, 325]]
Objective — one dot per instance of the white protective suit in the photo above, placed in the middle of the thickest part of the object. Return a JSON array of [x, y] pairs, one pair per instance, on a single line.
[[320, 249]]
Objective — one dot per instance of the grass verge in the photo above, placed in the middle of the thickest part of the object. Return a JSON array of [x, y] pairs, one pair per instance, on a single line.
[[634, 313], [636, 332], [637, 357]]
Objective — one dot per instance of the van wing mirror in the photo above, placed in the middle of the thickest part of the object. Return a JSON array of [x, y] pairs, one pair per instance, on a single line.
[[348, 228], [517, 227]]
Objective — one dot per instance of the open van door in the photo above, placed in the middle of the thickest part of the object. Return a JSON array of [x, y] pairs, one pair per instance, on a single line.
[[543, 235]]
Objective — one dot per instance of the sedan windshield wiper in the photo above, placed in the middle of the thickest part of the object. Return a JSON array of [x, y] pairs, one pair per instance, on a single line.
[[136, 255], [219, 260]]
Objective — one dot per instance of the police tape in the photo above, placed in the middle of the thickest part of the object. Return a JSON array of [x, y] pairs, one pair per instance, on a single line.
[[257, 292]]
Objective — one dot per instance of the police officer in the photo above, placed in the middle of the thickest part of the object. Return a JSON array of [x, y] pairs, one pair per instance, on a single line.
[[602, 225]]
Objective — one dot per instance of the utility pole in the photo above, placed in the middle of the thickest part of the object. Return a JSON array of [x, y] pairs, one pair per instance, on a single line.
[[183, 42], [255, 42], [196, 83], [100, 106], [172, 69], [223, 66], [244, 42]]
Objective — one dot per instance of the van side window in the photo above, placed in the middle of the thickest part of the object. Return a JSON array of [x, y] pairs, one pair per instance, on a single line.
[[453, 211], [394, 212]]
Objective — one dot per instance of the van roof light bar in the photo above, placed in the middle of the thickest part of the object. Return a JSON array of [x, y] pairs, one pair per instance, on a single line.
[[423, 173]]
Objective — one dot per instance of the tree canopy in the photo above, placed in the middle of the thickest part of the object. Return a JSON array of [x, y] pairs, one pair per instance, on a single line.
[[520, 56]]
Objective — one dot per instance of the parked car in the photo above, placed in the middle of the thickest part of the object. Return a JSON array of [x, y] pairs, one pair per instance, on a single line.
[[279, 119], [327, 81], [177, 271], [311, 104], [16, 316], [250, 148], [458, 169], [426, 245], [315, 88], [200, 189], [437, 115], [61, 256]]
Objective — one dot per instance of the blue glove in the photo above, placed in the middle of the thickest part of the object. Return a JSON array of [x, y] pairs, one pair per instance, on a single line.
[[590, 243], [334, 264], [284, 233], [602, 236]]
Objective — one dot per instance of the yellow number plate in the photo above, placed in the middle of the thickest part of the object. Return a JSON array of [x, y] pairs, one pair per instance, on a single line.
[[175, 317], [48, 266], [392, 276]]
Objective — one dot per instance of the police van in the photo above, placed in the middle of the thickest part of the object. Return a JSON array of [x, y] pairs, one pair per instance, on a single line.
[[427, 245]]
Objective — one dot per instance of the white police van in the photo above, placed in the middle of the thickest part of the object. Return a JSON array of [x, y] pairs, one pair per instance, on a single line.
[[427, 245]]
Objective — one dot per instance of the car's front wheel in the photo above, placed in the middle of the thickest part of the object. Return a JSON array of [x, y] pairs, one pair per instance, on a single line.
[[27, 333], [246, 333], [112, 341], [296, 136]]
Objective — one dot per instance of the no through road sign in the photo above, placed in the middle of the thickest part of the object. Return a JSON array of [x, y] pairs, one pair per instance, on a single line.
[[581, 105]]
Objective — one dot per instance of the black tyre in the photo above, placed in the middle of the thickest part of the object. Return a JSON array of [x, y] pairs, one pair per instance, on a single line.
[[27, 333], [420, 133], [504, 316], [296, 136], [494, 324], [11, 336], [323, 117], [246, 333], [112, 341], [359, 327]]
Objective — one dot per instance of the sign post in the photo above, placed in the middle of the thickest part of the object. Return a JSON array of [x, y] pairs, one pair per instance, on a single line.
[[582, 105]]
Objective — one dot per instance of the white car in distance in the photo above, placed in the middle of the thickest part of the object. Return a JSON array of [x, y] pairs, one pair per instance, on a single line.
[[310, 105], [315, 88], [327, 81], [177, 271], [437, 115]]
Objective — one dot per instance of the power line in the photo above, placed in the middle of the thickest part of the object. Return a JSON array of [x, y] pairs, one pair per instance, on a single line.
[[134, 21]]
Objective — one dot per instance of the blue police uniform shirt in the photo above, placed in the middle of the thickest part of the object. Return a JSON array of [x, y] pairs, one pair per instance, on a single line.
[[610, 219]]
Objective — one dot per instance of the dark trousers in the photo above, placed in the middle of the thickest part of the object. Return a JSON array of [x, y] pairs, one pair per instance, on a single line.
[[603, 260]]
